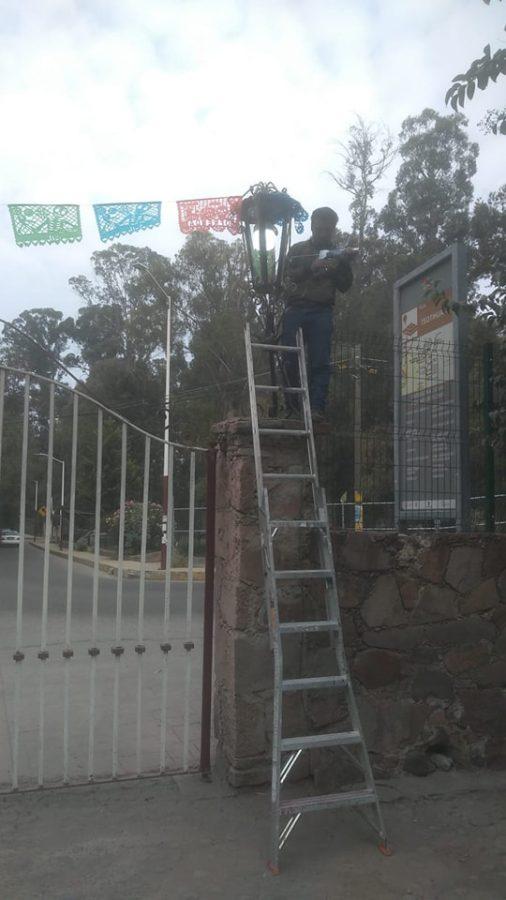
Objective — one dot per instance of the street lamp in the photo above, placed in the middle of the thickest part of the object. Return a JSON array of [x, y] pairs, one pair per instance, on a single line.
[[165, 483], [266, 221], [62, 494]]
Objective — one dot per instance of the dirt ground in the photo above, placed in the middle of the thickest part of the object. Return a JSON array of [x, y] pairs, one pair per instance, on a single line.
[[179, 838]]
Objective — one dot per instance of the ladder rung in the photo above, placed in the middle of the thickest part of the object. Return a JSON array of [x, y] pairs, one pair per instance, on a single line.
[[327, 801], [302, 627], [289, 432], [279, 387], [314, 741], [302, 574], [277, 348], [308, 684], [295, 476], [297, 523]]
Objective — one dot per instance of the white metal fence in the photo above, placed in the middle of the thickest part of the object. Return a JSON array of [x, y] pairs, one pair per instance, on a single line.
[[100, 674]]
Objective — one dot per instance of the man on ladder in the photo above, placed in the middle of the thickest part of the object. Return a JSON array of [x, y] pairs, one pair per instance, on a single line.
[[314, 270]]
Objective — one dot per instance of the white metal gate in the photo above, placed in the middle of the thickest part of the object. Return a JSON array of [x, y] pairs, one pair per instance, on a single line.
[[100, 673]]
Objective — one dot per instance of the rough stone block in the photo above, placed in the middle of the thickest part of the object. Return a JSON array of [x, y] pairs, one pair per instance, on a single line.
[[365, 553], [325, 708], [481, 598], [499, 618], [383, 605], [432, 683], [463, 659], [399, 722], [500, 645], [485, 711], [394, 638], [377, 668], [461, 631], [408, 588], [435, 603], [418, 763], [494, 563], [352, 589], [492, 674], [501, 585], [434, 562], [464, 568]]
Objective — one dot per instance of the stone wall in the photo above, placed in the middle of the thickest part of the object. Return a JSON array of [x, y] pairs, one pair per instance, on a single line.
[[424, 620], [425, 632]]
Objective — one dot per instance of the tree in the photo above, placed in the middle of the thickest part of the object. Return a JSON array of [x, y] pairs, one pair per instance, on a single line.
[[215, 296], [39, 340], [365, 158], [480, 73], [429, 206]]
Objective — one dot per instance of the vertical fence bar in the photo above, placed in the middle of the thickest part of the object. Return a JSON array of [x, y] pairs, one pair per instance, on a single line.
[[165, 646], [18, 654], [117, 650], [2, 400], [140, 647], [68, 652], [94, 650], [43, 652], [207, 658], [488, 407], [188, 643]]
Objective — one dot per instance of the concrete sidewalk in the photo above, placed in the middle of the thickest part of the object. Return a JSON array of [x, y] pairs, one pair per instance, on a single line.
[[131, 567], [179, 838]]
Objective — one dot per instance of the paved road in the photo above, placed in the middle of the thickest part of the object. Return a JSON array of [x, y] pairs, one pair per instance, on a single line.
[[151, 663]]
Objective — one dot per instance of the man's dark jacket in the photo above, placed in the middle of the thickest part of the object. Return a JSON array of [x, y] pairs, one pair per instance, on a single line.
[[303, 287]]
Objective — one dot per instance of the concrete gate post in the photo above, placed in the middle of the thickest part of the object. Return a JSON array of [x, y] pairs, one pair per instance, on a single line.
[[243, 659]]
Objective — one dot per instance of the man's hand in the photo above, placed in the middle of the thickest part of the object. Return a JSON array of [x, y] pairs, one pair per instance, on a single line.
[[320, 266]]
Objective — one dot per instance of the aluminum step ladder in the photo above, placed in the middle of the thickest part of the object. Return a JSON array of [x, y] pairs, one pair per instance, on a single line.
[[287, 750]]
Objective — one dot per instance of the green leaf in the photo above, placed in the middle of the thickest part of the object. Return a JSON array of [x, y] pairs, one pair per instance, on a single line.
[[470, 89], [502, 126], [486, 51], [462, 94]]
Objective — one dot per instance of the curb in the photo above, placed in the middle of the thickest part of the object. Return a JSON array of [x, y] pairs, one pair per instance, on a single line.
[[112, 569]]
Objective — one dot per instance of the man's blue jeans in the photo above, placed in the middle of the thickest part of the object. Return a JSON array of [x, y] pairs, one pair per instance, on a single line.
[[316, 323]]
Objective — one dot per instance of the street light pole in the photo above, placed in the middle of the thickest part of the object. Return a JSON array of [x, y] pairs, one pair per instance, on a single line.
[[166, 428]]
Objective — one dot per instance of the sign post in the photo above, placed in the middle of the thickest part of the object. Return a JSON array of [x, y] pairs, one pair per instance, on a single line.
[[430, 395]]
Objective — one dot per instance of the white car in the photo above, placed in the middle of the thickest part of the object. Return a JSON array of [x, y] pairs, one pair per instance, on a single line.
[[9, 538]]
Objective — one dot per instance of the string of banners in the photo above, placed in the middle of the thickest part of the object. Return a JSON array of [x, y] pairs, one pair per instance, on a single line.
[[60, 223]]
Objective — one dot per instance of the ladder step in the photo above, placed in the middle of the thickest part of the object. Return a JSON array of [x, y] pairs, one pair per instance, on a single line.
[[308, 627], [327, 801], [308, 684], [277, 348], [297, 523], [302, 574], [295, 476], [314, 741], [279, 387], [289, 432]]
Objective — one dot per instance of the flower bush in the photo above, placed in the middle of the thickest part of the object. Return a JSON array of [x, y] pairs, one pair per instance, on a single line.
[[133, 526]]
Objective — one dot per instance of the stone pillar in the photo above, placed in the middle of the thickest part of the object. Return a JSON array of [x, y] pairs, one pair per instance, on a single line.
[[243, 659]]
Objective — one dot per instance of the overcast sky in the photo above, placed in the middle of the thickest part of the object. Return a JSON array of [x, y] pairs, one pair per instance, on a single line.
[[167, 99]]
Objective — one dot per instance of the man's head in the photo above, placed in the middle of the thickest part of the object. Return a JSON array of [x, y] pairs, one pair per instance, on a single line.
[[323, 226]]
